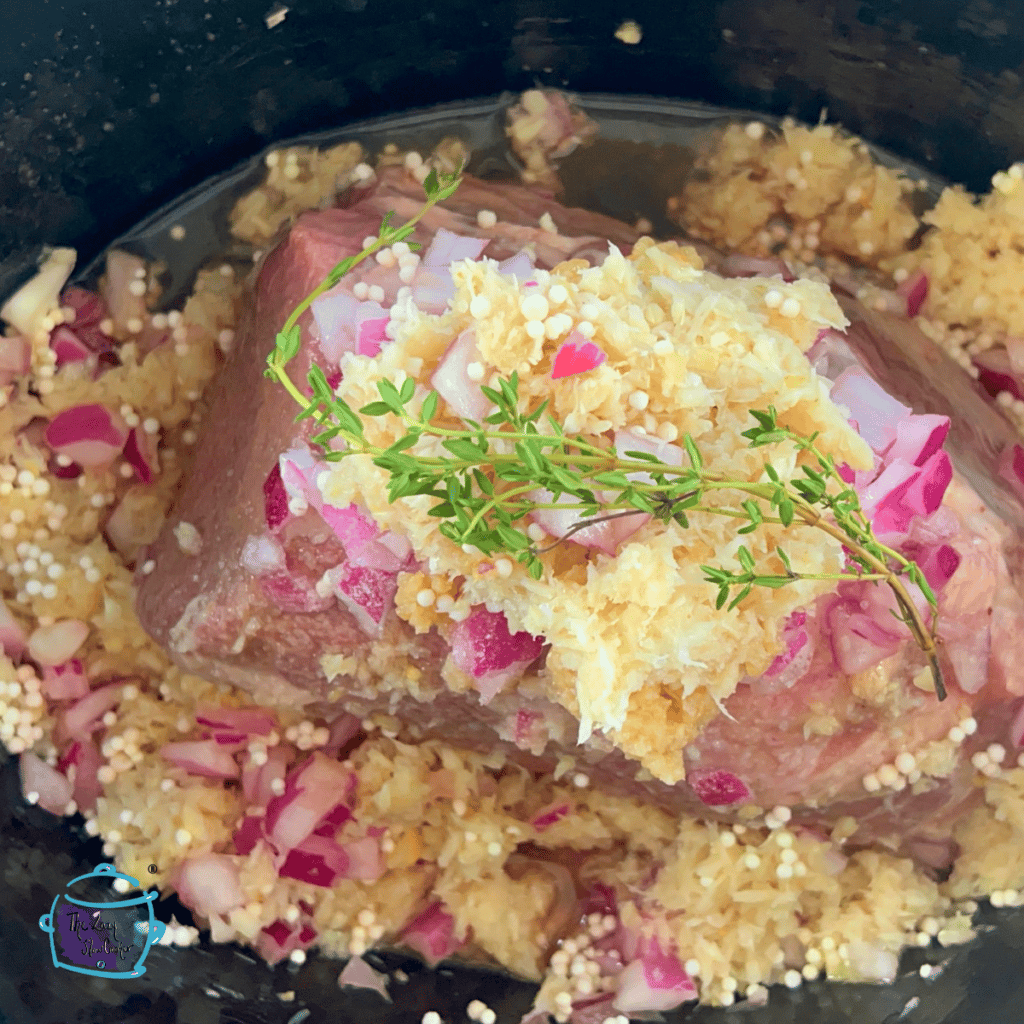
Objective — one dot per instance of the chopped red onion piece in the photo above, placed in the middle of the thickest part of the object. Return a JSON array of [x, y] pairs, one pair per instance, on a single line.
[[16, 359], [526, 727], [831, 354], [53, 788], [317, 860], [357, 973], [352, 525], [369, 594], [656, 982], [141, 451], [447, 248], [968, 646], [312, 790], [277, 940], [577, 354], [252, 721], [365, 861], [208, 884], [259, 780], [519, 266], [83, 717], [432, 289], [997, 372], [201, 757], [925, 494], [299, 469], [605, 536], [717, 787], [858, 641], [877, 413], [546, 818], [432, 935], [248, 833], [67, 347], [389, 552], [84, 756], [333, 820], [483, 646], [66, 681], [122, 271], [600, 899], [592, 1010], [68, 472], [91, 435], [370, 335], [90, 312], [626, 441], [451, 378], [795, 636], [918, 438], [57, 643], [884, 500], [334, 315], [275, 499], [915, 290]]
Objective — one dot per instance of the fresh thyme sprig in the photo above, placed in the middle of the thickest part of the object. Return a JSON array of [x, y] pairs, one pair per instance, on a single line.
[[490, 479], [289, 338]]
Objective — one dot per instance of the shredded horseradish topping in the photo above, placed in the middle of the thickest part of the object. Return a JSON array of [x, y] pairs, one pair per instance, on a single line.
[[638, 650]]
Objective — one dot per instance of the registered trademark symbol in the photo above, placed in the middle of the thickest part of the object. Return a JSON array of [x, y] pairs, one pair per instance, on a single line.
[[152, 869]]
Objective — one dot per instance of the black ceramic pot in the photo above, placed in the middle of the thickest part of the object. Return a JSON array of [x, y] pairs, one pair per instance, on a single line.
[[111, 108]]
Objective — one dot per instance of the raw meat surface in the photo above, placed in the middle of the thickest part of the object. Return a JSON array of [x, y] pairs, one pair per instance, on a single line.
[[801, 739]]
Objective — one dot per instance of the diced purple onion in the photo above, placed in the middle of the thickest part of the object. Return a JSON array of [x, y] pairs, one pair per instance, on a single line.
[[915, 291], [52, 788], [451, 378], [90, 435], [877, 413], [432, 935], [369, 594], [656, 982], [546, 818], [577, 354], [66, 681], [209, 884], [483, 647], [519, 266], [717, 787], [335, 315], [447, 248], [201, 757], [312, 790]]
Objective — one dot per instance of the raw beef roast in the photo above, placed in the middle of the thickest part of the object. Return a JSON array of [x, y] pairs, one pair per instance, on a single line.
[[844, 724]]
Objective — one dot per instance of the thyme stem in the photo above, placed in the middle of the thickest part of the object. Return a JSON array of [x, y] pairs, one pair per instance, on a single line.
[[481, 494]]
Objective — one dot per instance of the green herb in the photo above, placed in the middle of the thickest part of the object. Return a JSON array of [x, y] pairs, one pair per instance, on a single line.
[[483, 492], [289, 338]]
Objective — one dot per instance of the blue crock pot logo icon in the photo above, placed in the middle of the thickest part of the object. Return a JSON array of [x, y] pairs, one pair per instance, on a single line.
[[108, 939]]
